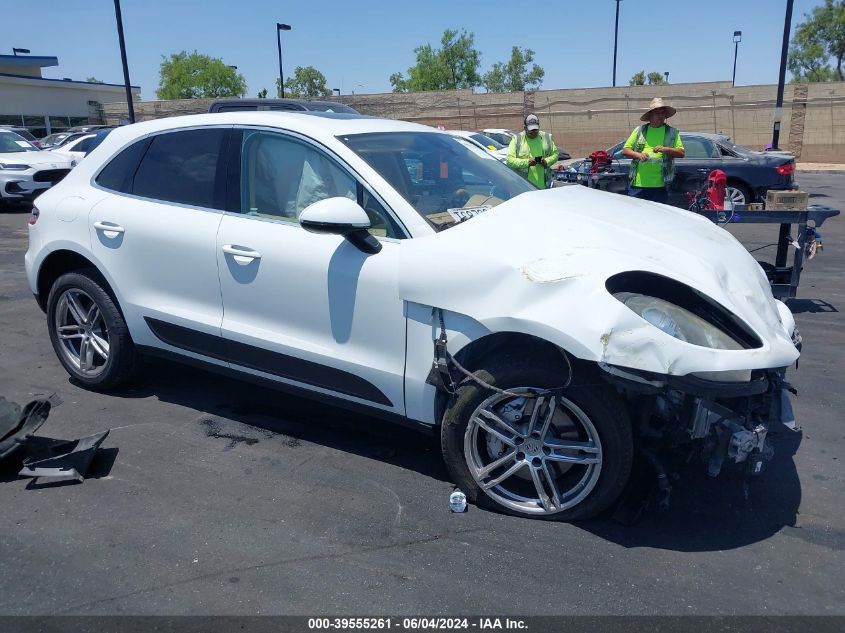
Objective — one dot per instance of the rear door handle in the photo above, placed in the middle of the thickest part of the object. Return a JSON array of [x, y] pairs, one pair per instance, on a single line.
[[240, 254], [109, 229]]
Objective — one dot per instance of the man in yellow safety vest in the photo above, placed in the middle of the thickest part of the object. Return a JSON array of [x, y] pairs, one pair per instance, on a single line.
[[532, 153]]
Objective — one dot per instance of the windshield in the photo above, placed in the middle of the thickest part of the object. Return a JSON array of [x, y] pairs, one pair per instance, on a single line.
[[438, 173], [503, 138], [53, 139], [11, 143], [486, 141]]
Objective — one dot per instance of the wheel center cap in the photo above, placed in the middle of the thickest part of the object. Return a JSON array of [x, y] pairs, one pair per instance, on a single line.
[[533, 447]]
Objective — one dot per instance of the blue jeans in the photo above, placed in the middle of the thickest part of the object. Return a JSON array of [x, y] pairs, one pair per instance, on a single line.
[[655, 194]]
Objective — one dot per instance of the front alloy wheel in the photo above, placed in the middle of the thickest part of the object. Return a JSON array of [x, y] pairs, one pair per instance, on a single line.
[[537, 455], [563, 455]]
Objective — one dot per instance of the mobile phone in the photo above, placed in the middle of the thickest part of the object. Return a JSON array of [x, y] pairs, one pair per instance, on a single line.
[[538, 158]]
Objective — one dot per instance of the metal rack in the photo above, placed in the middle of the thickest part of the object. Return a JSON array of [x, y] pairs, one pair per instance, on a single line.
[[786, 278]]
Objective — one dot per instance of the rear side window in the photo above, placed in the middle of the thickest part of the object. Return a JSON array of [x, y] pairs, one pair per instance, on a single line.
[[182, 167], [698, 147], [120, 171]]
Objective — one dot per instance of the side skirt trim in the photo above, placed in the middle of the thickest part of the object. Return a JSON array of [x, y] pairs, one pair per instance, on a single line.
[[281, 365]]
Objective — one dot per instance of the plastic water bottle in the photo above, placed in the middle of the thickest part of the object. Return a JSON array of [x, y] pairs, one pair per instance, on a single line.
[[458, 501]]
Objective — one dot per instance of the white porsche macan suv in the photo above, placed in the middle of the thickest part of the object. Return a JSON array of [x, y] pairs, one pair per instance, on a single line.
[[387, 267]]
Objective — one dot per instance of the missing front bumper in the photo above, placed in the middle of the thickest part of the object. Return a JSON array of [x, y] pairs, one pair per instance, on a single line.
[[723, 421]]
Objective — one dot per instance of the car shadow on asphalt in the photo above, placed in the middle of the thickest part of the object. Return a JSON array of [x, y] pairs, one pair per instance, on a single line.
[[705, 514], [15, 207], [229, 404], [801, 306], [710, 514]]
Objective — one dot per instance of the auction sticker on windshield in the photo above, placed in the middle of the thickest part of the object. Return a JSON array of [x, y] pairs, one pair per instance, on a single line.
[[465, 214]]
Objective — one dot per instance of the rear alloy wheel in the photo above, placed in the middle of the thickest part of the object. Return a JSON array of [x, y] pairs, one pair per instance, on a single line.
[[737, 193], [562, 457], [88, 332]]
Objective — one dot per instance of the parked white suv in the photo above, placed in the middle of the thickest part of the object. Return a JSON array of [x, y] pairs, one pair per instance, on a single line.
[[25, 170], [386, 266]]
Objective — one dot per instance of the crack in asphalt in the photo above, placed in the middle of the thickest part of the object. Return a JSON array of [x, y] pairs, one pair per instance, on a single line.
[[229, 571]]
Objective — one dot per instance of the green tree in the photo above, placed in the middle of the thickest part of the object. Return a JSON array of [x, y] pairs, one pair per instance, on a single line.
[[193, 76], [514, 76], [94, 80], [262, 94], [637, 79], [818, 39], [306, 83], [652, 79], [454, 65]]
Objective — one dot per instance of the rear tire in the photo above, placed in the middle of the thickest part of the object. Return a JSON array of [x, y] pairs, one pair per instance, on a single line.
[[573, 466], [88, 331], [737, 193]]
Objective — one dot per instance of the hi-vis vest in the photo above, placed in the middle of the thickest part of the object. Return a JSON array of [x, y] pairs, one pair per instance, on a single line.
[[671, 135], [547, 145]]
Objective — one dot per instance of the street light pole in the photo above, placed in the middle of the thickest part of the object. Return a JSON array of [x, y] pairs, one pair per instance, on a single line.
[[615, 41], [123, 60], [737, 40], [787, 23], [279, 28]]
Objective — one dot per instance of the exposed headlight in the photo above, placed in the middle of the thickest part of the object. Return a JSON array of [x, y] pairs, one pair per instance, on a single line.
[[677, 322], [13, 166]]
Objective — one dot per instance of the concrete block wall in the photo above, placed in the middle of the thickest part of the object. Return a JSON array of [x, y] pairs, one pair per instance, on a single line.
[[586, 119]]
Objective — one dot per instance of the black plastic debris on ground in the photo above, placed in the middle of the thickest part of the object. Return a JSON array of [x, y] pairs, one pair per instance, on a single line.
[[43, 456]]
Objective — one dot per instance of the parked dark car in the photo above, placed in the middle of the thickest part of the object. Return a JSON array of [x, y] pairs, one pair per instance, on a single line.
[[750, 174], [287, 105]]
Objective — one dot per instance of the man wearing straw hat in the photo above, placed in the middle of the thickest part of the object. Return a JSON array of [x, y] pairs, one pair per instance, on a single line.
[[653, 148]]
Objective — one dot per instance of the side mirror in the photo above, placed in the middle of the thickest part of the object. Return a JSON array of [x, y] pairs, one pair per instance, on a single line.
[[340, 216]]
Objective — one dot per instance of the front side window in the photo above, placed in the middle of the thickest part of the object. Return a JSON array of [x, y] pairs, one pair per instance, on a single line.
[[281, 176], [437, 173], [181, 167]]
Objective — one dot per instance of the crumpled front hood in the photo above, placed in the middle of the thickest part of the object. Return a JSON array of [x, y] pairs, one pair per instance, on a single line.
[[538, 264]]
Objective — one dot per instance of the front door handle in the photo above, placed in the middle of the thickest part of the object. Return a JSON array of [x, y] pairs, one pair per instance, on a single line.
[[109, 229], [241, 254]]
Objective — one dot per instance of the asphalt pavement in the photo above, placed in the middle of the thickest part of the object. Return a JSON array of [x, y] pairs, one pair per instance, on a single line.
[[212, 496]]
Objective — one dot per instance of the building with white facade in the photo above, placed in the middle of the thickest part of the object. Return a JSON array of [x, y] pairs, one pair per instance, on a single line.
[[50, 105]]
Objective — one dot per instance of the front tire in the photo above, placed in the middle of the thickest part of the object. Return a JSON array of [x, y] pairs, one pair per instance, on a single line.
[[564, 457], [88, 332]]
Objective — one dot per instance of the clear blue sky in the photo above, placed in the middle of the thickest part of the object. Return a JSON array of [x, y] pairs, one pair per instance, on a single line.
[[357, 45]]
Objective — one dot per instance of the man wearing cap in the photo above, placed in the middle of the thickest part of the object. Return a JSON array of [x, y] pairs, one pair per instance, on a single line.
[[531, 153], [653, 148]]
